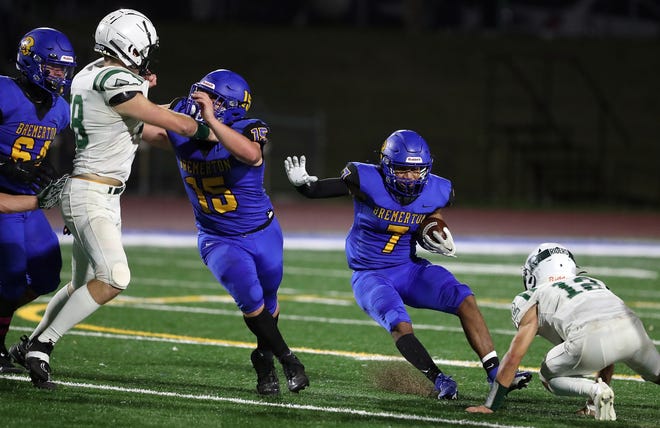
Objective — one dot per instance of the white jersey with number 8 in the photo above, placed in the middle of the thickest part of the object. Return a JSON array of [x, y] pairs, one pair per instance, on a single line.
[[106, 142]]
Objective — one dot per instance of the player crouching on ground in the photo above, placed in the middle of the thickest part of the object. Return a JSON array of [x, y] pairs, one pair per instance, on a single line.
[[591, 327]]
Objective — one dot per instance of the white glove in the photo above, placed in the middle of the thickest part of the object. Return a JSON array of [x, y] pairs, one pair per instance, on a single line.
[[440, 245], [296, 172], [51, 195]]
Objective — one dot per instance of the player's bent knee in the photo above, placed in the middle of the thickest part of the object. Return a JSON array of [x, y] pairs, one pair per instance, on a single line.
[[120, 276]]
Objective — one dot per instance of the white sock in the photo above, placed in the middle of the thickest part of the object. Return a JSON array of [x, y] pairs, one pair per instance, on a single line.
[[79, 306], [571, 386], [54, 306], [488, 356]]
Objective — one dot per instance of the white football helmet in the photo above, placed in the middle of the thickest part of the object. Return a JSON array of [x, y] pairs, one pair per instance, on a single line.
[[547, 263], [129, 36]]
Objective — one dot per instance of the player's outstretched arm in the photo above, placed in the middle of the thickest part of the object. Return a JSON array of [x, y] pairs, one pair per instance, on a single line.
[[507, 371], [310, 185], [17, 203], [140, 108]]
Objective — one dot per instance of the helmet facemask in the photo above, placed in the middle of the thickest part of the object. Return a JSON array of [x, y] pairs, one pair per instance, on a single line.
[[57, 77], [405, 187], [229, 92]]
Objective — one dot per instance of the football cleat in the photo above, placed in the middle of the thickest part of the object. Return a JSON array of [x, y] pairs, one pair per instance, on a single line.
[[604, 402], [296, 379], [520, 380], [267, 382], [6, 366], [37, 359], [18, 350], [446, 387]]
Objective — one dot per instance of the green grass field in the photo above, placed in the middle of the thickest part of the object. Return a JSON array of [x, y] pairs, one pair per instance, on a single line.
[[174, 351]]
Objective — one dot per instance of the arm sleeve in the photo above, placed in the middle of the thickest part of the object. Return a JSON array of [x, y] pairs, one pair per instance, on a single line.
[[347, 184], [326, 188]]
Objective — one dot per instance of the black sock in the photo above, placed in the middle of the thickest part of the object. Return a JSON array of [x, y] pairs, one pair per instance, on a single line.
[[262, 345], [413, 351], [491, 365], [264, 326], [7, 310]]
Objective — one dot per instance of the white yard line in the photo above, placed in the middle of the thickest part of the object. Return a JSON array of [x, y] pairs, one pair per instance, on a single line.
[[465, 245], [243, 402]]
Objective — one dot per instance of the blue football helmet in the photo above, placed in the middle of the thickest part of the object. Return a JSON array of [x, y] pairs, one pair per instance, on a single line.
[[46, 58], [230, 94], [405, 149]]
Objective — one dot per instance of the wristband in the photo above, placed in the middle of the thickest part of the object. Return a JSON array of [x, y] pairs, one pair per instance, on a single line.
[[496, 396], [202, 132]]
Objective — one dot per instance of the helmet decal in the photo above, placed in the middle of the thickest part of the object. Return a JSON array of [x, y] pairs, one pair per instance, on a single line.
[[26, 45]]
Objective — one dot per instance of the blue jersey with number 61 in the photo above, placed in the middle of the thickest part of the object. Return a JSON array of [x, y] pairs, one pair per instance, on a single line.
[[25, 133]]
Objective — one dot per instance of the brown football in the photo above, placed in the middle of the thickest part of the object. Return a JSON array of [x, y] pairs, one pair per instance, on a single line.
[[429, 225]]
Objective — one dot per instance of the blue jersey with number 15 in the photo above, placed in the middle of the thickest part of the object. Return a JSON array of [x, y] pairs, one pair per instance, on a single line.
[[227, 195]]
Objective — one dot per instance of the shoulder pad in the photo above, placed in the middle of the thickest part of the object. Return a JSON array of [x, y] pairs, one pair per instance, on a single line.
[[254, 129], [521, 304], [117, 78], [247, 122], [350, 175]]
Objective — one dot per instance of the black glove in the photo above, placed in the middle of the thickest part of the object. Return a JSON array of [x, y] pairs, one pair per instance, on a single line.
[[37, 173]]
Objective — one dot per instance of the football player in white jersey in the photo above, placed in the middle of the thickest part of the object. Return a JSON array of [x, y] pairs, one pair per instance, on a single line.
[[591, 327], [108, 108]]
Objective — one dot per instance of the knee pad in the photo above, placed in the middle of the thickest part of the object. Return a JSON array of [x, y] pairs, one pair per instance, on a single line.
[[120, 276]]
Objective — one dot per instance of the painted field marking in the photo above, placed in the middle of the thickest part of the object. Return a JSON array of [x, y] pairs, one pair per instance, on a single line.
[[241, 401], [32, 313]]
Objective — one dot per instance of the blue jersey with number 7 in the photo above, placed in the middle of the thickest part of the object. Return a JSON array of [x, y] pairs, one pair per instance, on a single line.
[[383, 231]]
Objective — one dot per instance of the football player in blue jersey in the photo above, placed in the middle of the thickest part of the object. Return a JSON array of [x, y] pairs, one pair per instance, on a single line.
[[391, 199], [32, 113], [239, 237]]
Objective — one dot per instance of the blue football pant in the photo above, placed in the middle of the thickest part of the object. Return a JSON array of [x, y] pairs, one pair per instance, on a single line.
[[249, 267], [384, 293], [29, 255]]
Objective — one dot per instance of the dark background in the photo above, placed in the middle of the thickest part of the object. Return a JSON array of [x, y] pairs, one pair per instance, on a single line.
[[524, 104]]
